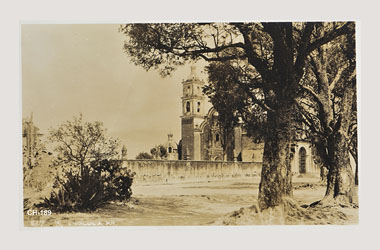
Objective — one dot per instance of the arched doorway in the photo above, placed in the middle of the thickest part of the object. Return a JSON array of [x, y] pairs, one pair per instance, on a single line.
[[302, 156]]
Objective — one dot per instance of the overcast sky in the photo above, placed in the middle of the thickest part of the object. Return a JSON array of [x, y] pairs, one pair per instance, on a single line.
[[69, 69]]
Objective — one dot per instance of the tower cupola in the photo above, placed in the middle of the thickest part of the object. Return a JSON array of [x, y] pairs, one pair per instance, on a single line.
[[193, 97]]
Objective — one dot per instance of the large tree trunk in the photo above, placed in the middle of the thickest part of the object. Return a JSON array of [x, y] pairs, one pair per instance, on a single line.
[[276, 175], [340, 181]]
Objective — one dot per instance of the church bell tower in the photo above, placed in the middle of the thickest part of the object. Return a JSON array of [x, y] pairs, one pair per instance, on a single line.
[[193, 112]]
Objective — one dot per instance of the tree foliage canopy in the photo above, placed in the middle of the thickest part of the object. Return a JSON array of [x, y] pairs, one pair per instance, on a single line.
[[159, 152], [80, 143], [144, 155], [266, 47]]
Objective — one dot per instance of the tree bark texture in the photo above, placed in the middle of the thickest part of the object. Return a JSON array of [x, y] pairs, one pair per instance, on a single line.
[[340, 177], [276, 176]]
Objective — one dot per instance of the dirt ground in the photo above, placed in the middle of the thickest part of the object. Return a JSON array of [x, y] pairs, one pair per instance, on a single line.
[[181, 204]]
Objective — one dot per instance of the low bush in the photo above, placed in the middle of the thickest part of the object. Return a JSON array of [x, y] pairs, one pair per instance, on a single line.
[[90, 188]]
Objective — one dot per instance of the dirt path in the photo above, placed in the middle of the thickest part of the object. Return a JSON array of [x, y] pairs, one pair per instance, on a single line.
[[176, 204]]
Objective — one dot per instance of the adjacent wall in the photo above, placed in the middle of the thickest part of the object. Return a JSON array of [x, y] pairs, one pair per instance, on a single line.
[[163, 171]]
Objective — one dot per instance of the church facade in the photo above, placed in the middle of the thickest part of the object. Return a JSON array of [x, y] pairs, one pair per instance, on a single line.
[[201, 138]]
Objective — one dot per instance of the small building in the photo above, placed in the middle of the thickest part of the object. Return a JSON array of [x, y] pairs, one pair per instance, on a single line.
[[171, 148]]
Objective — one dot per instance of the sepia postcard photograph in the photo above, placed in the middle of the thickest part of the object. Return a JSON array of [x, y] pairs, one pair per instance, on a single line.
[[189, 124]]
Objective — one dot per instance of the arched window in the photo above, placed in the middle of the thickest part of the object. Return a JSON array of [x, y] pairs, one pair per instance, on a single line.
[[187, 106], [170, 149], [199, 107], [217, 137], [302, 157]]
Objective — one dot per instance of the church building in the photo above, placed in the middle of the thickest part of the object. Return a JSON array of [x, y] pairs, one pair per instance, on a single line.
[[201, 138]]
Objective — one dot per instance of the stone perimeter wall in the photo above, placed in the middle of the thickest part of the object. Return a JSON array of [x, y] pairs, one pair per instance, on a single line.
[[164, 171]]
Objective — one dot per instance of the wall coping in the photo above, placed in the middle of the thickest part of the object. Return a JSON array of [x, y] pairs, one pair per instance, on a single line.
[[185, 161]]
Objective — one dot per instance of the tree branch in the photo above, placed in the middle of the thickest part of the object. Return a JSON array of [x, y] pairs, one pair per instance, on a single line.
[[337, 76], [260, 65], [302, 47], [315, 95], [329, 37]]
